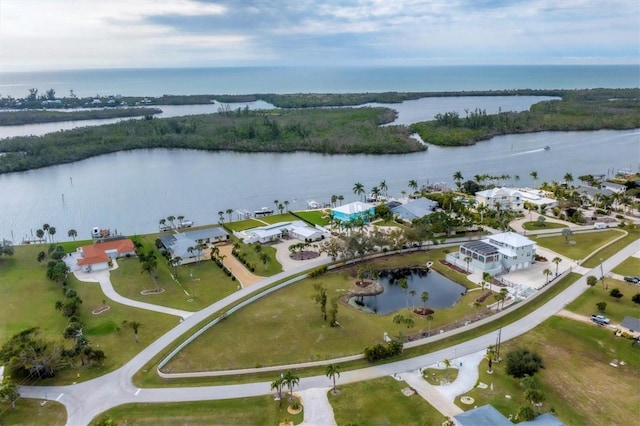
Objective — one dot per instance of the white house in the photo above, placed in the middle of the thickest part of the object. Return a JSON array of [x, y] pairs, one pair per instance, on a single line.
[[496, 254], [296, 229], [504, 198]]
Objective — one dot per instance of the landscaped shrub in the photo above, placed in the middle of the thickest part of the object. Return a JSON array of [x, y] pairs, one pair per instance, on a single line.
[[380, 351], [522, 361], [321, 270]]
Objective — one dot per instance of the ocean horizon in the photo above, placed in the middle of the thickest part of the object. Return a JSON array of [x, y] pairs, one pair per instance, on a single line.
[[255, 80]]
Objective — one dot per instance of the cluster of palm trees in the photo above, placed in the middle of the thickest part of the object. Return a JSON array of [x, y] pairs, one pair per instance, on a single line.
[[170, 222], [288, 380], [49, 230]]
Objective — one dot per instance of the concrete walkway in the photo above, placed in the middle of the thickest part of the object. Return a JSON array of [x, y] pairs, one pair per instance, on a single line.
[[317, 409], [102, 278]]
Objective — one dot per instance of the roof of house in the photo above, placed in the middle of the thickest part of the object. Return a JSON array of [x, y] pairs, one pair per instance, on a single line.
[[97, 253], [546, 419], [614, 186], [201, 234], [494, 192], [485, 415], [510, 239], [590, 191], [415, 209], [355, 207], [631, 323]]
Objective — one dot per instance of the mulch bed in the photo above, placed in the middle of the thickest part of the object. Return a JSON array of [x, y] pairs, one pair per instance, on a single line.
[[364, 284], [154, 291], [424, 311], [304, 255], [454, 267], [483, 297], [100, 310]]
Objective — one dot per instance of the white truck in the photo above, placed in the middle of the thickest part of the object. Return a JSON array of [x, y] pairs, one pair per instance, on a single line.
[[600, 320]]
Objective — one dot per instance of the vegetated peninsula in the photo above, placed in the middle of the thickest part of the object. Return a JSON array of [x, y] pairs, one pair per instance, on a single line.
[[328, 131], [324, 130], [616, 109], [14, 118]]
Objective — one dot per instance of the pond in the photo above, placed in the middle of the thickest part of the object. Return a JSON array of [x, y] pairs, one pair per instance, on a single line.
[[443, 293]]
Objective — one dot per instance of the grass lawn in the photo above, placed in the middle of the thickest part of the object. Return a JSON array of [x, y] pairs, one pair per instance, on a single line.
[[616, 310], [316, 217], [381, 402], [585, 243], [29, 300], [578, 382], [287, 326], [261, 410], [198, 286], [534, 226], [30, 412], [241, 225], [252, 257], [435, 376], [275, 218], [610, 250], [631, 266]]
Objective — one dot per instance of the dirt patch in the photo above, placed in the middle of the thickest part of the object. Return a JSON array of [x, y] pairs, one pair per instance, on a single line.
[[424, 311], [150, 292], [364, 284], [304, 255]]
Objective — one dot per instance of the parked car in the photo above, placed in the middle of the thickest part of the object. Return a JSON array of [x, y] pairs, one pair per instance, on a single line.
[[600, 320], [634, 280]]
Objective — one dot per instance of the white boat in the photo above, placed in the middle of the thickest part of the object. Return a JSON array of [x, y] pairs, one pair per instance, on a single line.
[[263, 211]]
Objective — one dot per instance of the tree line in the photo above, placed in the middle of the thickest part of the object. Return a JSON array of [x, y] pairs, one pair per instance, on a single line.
[[327, 131]]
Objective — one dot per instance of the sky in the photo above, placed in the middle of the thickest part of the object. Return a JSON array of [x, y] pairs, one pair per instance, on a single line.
[[78, 34]]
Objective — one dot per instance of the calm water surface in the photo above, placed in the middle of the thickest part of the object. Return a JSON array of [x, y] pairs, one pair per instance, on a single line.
[[443, 293], [132, 191]]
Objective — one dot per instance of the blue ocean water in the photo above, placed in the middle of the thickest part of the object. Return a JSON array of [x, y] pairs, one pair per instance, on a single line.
[[248, 80]]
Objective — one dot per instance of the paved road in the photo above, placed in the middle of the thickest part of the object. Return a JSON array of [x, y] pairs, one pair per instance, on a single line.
[[86, 400]]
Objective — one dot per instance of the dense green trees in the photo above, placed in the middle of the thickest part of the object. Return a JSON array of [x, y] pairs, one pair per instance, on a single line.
[[522, 362], [330, 131]]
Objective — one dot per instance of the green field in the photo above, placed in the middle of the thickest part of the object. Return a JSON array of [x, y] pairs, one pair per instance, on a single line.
[[631, 266], [260, 410], [580, 245], [30, 412], [381, 402], [579, 384], [616, 310], [316, 217]]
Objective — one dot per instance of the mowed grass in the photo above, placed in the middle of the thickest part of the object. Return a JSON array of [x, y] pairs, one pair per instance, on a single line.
[[29, 301], [535, 225], [616, 310], [287, 326], [316, 217], [198, 284], [275, 218], [585, 243], [241, 225], [631, 266], [261, 410], [633, 233], [381, 402], [578, 382], [29, 412]]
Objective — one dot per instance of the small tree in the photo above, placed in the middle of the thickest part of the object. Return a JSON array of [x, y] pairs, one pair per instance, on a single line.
[[333, 313], [636, 298], [277, 386], [331, 372], [522, 361], [591, 281], [601, 306], [566, 233], [616, 293], [134, 325], [290, 380], [320, 297], [10, 393]]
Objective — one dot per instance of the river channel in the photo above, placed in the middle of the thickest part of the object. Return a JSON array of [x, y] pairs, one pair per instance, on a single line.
[[131, 191]]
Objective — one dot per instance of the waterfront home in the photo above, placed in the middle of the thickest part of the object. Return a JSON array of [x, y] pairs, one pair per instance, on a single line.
[[274, 232], [504, 198], [351, 211], [495, 254], [208, 235], [96, 257], [414, 209], [486, 415]]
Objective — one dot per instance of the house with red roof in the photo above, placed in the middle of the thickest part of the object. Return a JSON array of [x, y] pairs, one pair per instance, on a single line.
[[96, 257]]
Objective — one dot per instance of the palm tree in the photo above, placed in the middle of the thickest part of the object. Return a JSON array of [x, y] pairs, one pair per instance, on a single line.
[[277, 385], [180, 219], [334, 199], [341, 198], [264, 258], [72, 233], [135, 326], [221, 217], [52, 232], [457, 176], [290, 380], [286, 205], [383, 187], [413, 184], [280, 207], [229, 213], [41, 256], [487, 278], [358, 188], [162, 222], [566, 233], [447, 365], [40, 234], [171, 218], [149, 263], [429, 318], [331, 372], [413, 295], [199, 248], [174, 262], [404, 285], [547, 272], [467, 260], [424, 296], [534, 176], [568, 178], [276, 202], [556, 260]]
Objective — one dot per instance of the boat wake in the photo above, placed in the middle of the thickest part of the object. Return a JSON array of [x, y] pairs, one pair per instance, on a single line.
[[531, 151]]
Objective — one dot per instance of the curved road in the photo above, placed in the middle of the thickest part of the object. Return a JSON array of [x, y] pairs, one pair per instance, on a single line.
[[86, 400]]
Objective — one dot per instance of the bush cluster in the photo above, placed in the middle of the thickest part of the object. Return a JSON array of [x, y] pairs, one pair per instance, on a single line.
[[380, 351]]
